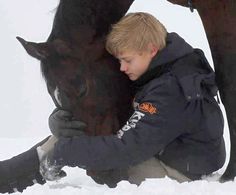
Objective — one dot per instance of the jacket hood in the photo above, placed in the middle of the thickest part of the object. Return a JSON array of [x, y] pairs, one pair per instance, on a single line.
[[176, 47]]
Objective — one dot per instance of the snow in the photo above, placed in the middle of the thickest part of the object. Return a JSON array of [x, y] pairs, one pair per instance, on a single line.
[[77, 182], [26, 105]]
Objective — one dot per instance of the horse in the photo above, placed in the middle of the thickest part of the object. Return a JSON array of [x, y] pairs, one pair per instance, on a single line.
[[81, 76], [219, 21]]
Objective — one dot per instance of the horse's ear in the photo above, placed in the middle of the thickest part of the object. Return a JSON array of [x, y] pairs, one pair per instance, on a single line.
[[37, 50]]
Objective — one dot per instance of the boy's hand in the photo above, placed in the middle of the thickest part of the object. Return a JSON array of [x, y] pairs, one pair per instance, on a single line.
[[61, 124]]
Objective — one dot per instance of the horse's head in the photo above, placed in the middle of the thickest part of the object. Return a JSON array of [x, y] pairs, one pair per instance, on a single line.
[[81, 76], [85, 80]]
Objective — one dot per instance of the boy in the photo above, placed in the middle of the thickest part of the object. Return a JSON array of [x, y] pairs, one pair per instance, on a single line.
[[177, 126]]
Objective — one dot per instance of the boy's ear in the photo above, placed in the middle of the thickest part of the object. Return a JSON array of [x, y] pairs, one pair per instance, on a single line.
[[153, 49]]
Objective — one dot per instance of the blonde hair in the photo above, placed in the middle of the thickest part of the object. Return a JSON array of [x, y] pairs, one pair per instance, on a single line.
[[135, 32]]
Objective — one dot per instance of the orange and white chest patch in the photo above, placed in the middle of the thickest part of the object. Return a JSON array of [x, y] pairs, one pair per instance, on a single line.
[[147, 107]]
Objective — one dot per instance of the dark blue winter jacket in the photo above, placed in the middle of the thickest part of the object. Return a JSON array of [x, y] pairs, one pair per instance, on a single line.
[[176, 119]]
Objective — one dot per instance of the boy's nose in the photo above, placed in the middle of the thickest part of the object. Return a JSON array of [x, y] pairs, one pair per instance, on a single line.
[[123, 67]]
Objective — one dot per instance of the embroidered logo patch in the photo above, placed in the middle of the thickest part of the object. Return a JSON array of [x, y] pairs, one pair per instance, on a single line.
[[148, 107]]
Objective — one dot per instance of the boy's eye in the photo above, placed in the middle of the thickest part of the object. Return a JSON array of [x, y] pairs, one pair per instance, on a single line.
[[123, 60]]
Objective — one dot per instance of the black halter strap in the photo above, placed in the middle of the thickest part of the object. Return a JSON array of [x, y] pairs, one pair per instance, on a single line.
[[190, 5]]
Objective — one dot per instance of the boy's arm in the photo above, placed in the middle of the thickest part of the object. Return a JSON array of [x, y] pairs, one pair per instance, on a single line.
[[152, 126]]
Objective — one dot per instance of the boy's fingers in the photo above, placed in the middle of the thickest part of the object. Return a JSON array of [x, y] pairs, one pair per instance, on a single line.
[[63, 114], [77, 125], [70, 133]]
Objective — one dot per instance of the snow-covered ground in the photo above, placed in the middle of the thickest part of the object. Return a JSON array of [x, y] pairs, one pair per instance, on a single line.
[[77, 183], [25, 103]]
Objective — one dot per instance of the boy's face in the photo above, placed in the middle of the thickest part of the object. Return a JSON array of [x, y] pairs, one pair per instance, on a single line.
[[134, 64]]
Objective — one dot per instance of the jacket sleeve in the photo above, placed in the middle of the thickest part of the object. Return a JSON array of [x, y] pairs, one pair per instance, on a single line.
[[152, 126]]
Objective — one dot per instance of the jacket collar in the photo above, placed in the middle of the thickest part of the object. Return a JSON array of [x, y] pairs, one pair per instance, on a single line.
[[176, 47]]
